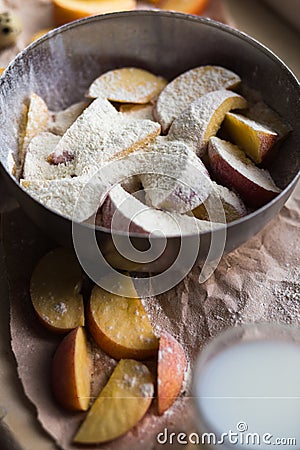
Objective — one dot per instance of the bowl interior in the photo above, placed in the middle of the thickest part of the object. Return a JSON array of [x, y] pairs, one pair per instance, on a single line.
[[61, 66]]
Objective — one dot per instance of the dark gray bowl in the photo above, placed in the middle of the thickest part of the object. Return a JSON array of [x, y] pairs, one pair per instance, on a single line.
[[60, 66]]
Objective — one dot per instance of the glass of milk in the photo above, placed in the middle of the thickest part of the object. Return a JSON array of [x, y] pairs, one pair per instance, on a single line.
[[246, 388]]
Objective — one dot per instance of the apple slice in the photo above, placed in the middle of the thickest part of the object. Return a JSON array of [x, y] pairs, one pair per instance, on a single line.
[[36, 165], [221, 197], [121, 404], [203, 118], [69, 10], [181, 181], [171, 368], [120, 325], [185, 6], [234, 169], [137, 111], [36, 119], [127, 85], [188, 87], [121, 211], [71, 372], [262, 113], [55, 291], [101, 133], [252, 137], [62, 120]]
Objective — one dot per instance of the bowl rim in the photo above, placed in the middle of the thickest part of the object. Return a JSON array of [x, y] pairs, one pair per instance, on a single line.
[[169, 14]]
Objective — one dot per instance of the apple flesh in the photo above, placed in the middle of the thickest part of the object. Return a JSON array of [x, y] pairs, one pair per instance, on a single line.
[[235, 170], [203, 118], [55, 291], [254, 138], [121, 404], [172, 365], [71, 372], [120, 325]]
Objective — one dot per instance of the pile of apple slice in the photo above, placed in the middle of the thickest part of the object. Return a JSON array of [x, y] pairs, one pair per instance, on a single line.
[[120, 327], [215, 138]]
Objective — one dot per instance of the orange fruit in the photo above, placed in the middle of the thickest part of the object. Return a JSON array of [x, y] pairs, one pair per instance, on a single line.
[[186, 6], [69, 10]]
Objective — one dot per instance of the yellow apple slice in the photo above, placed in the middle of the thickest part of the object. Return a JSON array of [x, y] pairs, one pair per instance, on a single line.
[[120, 406], [36, 119], [55, 291], [69, 10], [127, 85], [170, 371], [221, 197], [120, 325], [254, 138], [188, 87], [71, 372], [203, 118]]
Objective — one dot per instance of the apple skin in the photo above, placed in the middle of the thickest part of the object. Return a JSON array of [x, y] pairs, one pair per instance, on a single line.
[[252, 193], [172, 365], [71, 372]]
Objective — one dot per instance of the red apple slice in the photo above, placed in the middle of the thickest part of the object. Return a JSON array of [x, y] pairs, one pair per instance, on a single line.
[[170, 372], [234, 169], [71, 372]]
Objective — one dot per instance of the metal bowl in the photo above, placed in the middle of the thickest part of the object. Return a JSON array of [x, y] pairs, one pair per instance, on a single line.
[[60, 67]]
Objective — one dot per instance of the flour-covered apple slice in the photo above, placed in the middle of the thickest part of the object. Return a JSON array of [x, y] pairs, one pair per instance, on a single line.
[[234, 169], [121, 211], [62, 120], [138, 111], [188, 87], [101, 133], [37, 166], [181, 182], [221, 201], [203, 118], [75, 198], [253, 137], [127, 85], [36, 119]]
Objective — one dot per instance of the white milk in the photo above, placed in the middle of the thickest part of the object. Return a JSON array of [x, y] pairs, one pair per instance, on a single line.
[[257, 383]]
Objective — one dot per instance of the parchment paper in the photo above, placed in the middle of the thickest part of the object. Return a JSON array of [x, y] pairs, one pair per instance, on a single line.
[[259, 281]]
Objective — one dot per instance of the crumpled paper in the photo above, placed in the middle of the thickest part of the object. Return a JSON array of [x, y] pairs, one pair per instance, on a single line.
[[257, 282]]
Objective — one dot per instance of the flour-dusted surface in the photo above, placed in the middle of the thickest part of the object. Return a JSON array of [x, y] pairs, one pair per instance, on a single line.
[[100, 133], [202, 118], [127, 85], [188, 87], [36, 165], [180, 182], [257, 282], [62, 120]]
